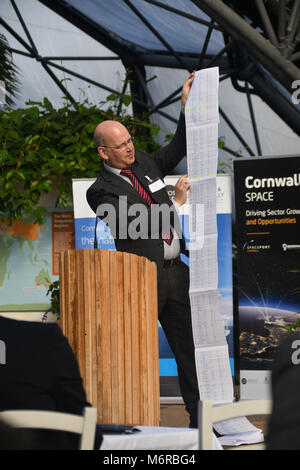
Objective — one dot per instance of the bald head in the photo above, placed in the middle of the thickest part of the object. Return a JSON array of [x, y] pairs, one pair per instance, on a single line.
[[106, 131], [114, 144]]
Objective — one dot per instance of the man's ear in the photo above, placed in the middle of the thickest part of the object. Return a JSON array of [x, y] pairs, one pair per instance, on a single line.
[[102, 153]]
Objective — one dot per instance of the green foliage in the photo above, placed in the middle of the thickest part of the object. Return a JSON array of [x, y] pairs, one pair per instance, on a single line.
[[42, 148], [224, 167], [55, 298]]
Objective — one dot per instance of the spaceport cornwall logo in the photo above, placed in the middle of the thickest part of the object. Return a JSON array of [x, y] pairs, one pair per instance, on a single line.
[[287, 247]]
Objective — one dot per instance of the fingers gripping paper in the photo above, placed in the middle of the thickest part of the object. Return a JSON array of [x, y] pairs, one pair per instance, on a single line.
[[211, 350]]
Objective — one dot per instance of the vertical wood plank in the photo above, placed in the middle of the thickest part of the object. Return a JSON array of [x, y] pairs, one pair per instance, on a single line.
[[114, 337], [87, 259], [62, 321], [149, 333], [127, 341], [99, 337], [143, 343], [84, 319], [80, 316], [135, 339], [70, 285], [93, 331], [119, 292], [152, 317], [155, 361], [104, 347]]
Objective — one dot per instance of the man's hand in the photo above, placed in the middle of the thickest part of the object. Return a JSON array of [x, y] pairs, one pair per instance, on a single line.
[[186, 89], [181, 188]]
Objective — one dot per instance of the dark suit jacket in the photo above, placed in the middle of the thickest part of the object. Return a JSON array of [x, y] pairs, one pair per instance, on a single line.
[[284, 425], [41, 373], [16, 439], [108, 188]]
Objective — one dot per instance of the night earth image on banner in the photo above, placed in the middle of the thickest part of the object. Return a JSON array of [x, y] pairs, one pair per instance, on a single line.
[[268, 235]]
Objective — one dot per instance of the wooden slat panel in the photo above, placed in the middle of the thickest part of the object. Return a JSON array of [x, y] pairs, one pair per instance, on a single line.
[[109, 314]]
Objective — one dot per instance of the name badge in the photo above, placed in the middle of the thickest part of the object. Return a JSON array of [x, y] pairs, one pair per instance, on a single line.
[[156, 186]]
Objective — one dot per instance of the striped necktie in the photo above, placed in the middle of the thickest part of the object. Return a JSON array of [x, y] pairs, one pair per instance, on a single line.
[[167, 237]]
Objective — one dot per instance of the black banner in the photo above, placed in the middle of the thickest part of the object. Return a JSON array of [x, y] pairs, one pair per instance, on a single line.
[[267, 202]]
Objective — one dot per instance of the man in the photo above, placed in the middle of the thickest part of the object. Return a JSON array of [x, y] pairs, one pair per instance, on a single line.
[[139, 177], [40, 372]]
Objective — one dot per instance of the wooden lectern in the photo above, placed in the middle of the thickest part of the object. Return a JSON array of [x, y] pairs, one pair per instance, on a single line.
[[108, 302]]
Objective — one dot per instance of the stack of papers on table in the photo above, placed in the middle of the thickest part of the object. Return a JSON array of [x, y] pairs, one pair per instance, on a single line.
[[238, 431]]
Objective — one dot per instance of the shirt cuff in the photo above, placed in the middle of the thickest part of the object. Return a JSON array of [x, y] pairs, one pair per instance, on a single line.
[[177, 206]]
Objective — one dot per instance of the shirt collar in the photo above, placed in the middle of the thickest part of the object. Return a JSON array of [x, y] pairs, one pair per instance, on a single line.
[[116, 171]]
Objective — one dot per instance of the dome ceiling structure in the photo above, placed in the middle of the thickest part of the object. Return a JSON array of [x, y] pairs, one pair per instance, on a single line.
[[256, 46]]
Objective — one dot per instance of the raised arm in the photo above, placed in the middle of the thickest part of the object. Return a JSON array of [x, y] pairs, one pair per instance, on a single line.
[[169, 156]]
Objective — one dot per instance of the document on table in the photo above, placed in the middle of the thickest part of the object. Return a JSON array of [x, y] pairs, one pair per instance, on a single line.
[[238, 431]]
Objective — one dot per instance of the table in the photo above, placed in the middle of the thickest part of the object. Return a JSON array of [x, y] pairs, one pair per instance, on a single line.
[[153, 438]]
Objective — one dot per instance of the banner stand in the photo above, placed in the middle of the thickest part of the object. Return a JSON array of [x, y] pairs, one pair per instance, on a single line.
[[268, 259]]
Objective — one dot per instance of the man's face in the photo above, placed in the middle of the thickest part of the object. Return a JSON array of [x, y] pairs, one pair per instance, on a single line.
[[118, 151]]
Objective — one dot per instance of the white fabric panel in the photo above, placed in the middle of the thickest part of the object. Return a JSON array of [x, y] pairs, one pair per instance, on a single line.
[[275, 136], [54, 36], [116, 16]]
